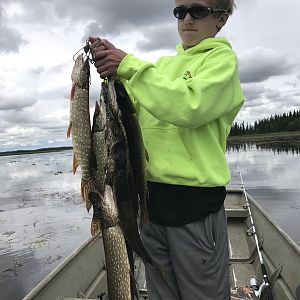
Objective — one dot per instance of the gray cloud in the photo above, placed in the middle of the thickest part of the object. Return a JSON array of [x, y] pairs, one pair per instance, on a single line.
[[10, 39], [256, 94], [260, 64], [164, 36], [113, 16], [16, 102], [92, 29], [253, 91], [272, 94], [106, 18]]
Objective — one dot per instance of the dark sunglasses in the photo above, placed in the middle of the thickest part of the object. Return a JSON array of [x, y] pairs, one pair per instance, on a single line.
[[197, 12]]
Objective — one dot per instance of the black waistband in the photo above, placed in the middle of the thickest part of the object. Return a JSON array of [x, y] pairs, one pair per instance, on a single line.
[[176, 205]]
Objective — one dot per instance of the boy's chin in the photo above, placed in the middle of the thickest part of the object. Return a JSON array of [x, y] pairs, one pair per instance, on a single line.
[[189, 44]]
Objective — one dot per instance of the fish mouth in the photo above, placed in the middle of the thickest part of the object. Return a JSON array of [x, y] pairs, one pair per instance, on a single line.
[[189, 30]]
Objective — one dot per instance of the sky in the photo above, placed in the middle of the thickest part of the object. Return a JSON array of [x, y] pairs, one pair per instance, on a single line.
[[38, 39]]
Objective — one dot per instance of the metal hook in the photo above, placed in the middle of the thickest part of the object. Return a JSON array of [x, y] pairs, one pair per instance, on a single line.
[[86, 49], [77, 53]]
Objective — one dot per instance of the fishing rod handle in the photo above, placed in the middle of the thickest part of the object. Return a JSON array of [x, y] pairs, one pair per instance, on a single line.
[[266, 280]]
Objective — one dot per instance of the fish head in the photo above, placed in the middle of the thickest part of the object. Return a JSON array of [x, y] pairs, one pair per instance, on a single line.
[[81, 72]]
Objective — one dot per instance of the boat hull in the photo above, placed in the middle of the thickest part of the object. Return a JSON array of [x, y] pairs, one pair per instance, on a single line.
[[83, 273]]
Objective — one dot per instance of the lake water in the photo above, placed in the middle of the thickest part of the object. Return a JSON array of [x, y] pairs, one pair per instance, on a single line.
[[42, 218], [271, 175]]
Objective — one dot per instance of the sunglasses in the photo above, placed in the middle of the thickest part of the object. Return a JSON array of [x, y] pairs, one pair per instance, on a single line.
[[197, 12]]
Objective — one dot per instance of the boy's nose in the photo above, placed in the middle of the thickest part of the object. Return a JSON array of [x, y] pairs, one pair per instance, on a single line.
[[188, 18]]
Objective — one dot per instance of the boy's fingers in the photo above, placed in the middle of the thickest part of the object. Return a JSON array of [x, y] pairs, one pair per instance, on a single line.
[[92, 39], [107, 44], [100, 54]]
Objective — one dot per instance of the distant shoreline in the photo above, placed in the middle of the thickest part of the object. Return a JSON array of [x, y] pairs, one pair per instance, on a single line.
[[267, 137], [249, 138], [35, 151]]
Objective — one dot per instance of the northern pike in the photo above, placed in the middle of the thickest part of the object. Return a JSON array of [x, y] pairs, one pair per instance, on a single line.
[[116, 258], [80, 128], [122, 177], [119, 265], [137, 151]]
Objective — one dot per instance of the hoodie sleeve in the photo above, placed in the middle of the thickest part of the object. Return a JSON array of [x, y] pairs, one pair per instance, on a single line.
[[212, 92]]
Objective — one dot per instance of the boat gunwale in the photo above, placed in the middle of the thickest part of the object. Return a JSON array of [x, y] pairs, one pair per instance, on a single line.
[[268, 217], [69, 259]]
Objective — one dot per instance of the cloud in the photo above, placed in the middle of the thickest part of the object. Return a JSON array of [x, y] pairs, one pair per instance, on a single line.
[[10, 39], [259, 64], [253, 91], [17, 101], [113, 16], [164, 36], [272, 93], [105, 18]]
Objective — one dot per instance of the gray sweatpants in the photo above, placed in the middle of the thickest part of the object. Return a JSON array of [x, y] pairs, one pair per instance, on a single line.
[[194, 259]]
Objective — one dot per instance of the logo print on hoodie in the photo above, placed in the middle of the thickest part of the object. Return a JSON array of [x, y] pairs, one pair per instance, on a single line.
[[187, 75]]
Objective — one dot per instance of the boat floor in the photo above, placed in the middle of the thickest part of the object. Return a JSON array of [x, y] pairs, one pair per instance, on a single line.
[[237, 293]]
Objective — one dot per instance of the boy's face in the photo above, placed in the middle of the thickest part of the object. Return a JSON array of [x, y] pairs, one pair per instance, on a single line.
[[193, 31]]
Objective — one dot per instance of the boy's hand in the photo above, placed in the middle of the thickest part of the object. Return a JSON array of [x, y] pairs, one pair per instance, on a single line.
[[106, 56]]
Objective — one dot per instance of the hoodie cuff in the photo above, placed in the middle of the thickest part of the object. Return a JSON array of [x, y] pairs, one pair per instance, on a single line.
[[129, 66]]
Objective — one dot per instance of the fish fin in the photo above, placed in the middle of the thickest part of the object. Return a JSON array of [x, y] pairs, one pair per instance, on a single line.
[[85, 187], [96, 227], [75, 163], [96, 200], [69, 131], [72, 92]]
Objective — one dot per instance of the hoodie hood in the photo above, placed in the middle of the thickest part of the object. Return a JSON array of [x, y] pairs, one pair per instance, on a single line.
[[204, 45]]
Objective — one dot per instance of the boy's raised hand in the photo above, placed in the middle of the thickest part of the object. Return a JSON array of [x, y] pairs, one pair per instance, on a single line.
[[106, 56]]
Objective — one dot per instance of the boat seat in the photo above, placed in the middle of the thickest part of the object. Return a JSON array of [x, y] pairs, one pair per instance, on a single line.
[[242, 293]]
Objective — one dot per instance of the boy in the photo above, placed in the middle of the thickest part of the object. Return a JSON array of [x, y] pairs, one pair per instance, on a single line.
[[186, 105]]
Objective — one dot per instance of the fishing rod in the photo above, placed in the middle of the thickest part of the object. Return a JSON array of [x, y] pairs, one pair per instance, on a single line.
[[252, 231]]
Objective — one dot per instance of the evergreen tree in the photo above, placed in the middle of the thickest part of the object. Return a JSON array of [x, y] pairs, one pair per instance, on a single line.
[[277, 123]]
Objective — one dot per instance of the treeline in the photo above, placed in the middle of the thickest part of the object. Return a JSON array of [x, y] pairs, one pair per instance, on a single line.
[[42, 150], [276, 123]]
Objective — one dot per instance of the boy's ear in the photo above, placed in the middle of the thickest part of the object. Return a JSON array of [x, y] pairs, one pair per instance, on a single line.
[[222, 19]]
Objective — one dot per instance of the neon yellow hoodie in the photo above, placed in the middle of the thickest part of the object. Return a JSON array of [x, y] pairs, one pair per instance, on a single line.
[[186, 105]]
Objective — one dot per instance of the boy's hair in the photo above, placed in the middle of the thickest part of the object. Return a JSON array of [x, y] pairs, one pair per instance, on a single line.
[[225, 4]]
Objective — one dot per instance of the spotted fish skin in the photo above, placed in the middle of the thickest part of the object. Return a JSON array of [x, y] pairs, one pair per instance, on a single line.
[[99, 146], [80, 127], [98, 161], [116, 258]]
